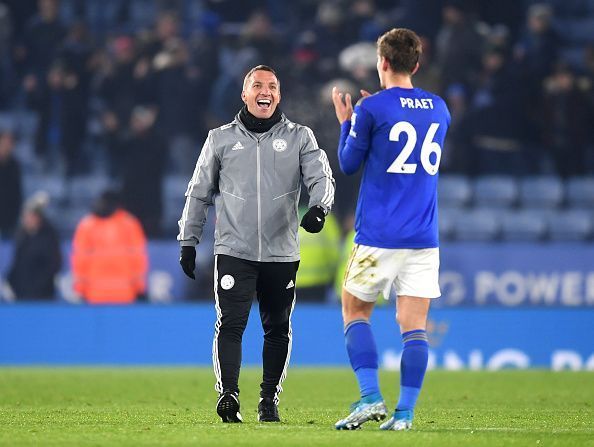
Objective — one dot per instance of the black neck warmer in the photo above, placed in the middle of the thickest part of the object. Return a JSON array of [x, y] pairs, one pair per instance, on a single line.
[[259, 125]]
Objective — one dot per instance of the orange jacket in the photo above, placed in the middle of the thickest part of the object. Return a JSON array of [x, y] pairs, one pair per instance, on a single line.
[[109, 260]]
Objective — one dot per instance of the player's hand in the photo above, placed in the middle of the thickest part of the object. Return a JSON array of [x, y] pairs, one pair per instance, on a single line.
[[364, 93], [187, 260], [313, 220], [342, 107]]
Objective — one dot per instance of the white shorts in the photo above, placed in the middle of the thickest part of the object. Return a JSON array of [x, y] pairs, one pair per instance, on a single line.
[[413, 272]]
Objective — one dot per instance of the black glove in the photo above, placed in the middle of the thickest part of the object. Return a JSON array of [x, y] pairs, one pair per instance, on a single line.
[[187, 260], [313, 220]]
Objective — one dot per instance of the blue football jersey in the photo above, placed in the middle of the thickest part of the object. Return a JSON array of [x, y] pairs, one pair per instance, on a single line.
[[398, 135]]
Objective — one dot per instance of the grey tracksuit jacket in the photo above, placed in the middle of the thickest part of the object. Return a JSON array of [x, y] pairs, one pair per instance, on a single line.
[[254, 181]]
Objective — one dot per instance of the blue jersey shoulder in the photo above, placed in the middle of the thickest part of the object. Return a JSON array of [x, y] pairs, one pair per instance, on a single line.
[[415, 98]]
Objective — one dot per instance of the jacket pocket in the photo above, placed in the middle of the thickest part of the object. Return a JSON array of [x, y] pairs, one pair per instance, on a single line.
[[281, 231], [233, 227]]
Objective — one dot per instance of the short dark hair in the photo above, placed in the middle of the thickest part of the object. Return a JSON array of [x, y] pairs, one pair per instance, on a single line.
[[402, 48], [258, 68]]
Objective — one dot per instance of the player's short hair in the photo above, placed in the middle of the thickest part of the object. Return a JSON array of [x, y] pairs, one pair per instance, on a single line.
[[402, 48], [257, 68]]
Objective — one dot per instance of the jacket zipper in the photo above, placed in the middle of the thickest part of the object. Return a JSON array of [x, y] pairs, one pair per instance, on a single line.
[[259, 202]]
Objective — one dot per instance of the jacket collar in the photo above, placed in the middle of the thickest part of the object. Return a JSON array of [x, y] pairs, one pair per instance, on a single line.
[[258, 136]]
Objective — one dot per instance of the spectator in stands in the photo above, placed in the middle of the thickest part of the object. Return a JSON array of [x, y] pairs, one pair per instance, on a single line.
[[359, 61], [109, 259], [187, 59], [258, 33], [204, 69], [144, 160], [74, 57], [363, 20], [42, 39], [37, 256], [174, 79], [223, 101], [567, 122], [585, 80], [429, 78], [538, 47], [123, 83], [6, 75], [331, 36], [458, 156], [498, 125], [459, 45], [11, 195]]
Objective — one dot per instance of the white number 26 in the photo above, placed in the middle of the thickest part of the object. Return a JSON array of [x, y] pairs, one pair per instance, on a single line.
[[399, 166]]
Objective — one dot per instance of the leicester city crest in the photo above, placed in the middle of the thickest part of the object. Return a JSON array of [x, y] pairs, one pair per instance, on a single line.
[[279, 145]]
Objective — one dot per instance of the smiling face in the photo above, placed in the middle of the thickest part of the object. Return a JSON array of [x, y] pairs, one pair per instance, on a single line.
[[261, 93]]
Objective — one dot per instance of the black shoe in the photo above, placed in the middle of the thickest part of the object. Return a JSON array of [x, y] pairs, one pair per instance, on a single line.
[[267, 410], [228, 407]]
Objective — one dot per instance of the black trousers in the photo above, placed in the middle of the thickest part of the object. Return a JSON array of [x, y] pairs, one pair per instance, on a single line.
[[236, 281]]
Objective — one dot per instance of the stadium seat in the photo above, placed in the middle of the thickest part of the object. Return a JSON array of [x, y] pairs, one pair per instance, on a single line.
[[580, 192], [571, 226], [477, 225], [524, 225], [541, 192], [454, 191], [495, 191]]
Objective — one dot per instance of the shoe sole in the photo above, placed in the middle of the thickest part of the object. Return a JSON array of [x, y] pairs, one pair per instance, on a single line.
[[357, 425], [228, 410]]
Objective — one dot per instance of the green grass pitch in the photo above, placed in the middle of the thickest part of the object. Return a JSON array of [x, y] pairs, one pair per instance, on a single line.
[[175, 406]]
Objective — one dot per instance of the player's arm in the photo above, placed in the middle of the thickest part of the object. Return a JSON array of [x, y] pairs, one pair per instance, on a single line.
[[199, 195], [355, 132]]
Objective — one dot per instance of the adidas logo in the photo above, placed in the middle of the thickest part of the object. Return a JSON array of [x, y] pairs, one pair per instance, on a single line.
[[291, 284], [237, 146]]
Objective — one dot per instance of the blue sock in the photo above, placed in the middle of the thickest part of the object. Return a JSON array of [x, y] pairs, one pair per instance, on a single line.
[[363, 356], [412, 367]]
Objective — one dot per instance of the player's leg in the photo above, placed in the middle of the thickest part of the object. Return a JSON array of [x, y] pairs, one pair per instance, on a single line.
[[234, 288], [363, 282], [276, 297], [360, 343], [416, 285]]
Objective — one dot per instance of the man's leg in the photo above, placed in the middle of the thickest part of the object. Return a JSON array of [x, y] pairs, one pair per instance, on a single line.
[[276, 296], [360, 342], [362, 353], [234, 288], [412, 318], [364, 279]]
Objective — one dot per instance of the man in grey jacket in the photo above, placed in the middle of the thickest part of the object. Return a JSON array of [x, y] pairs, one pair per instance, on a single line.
[[251, 170]]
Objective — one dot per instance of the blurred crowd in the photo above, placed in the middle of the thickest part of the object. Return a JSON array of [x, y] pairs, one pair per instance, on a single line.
[[127, 89], [111, 80]]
